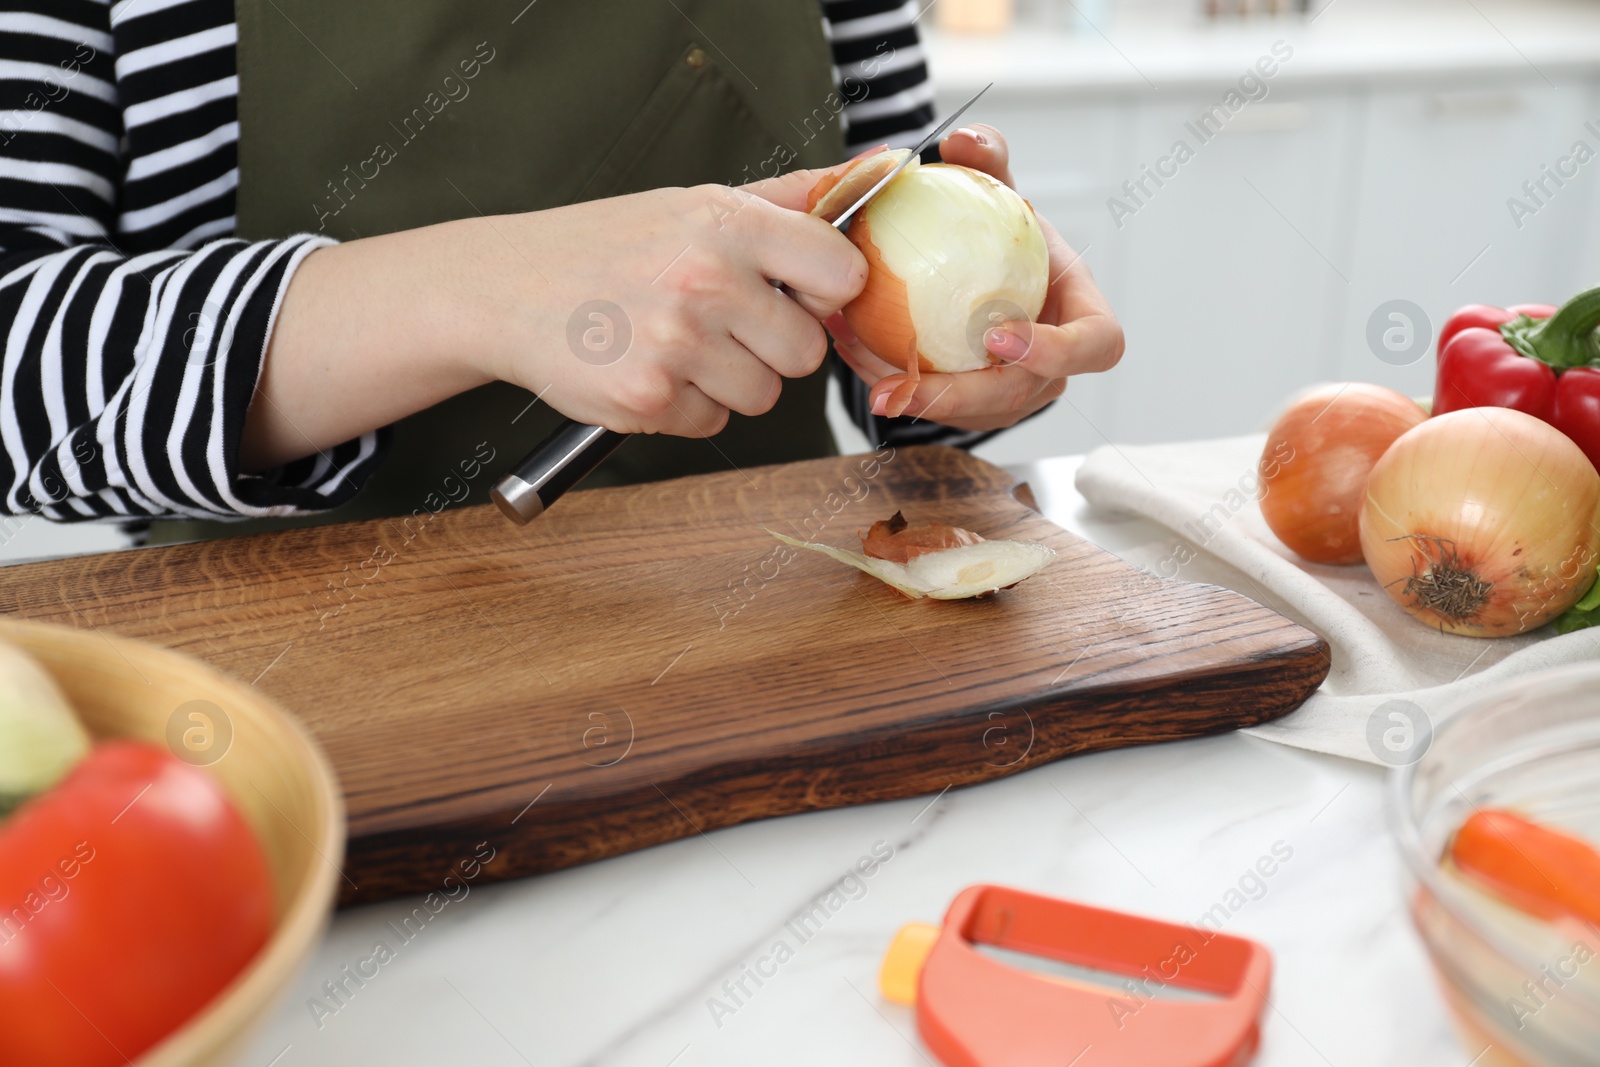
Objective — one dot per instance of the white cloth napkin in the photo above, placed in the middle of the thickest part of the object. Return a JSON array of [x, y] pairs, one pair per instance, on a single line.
[[1206, 494]]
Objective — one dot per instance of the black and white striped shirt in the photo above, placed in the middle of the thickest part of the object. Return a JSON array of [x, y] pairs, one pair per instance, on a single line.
[[135, 324]]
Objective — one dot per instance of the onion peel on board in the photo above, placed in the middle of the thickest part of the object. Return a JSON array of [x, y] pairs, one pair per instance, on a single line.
[[896, 540], [961, 571]]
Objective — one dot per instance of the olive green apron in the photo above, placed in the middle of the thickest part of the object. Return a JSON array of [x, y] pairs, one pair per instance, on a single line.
[[362, 118]]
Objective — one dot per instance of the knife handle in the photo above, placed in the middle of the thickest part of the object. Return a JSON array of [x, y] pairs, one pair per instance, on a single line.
[[558, 463]]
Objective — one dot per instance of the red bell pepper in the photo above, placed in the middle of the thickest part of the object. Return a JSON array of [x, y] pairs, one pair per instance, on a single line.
[[1489, 318], [1538, 359], [1577, 409], [1478, 369]]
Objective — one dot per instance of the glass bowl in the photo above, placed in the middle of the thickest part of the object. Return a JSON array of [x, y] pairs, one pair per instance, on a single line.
[[1525, 993]]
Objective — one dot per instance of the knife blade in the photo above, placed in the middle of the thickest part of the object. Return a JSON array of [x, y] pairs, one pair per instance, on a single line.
[[861, 201], [575, 449]]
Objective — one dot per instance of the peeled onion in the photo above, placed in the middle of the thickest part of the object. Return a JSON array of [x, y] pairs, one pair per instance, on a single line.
[[1315, 466], [1483, 522], [950, 251]]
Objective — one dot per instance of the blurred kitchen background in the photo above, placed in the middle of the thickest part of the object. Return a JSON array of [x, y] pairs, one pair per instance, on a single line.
[[1378, 166]]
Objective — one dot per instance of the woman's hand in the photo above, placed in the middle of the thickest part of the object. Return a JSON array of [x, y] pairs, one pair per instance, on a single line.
[[691, 328], [1076, 332], [649, 313]]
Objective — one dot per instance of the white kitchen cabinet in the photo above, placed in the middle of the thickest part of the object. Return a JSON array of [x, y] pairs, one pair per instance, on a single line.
[[1588, 265], [1228, 269], [1066, 159], [1223, 276], [1432, 224]]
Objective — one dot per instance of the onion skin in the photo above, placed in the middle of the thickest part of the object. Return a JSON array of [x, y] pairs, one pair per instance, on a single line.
[[967, 571], [833, 195], [896, 540], [1483, 522], [881, 314], [1314, 469]]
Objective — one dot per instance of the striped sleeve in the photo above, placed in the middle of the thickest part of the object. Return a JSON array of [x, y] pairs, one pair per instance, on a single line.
[[124, 378], [883, 78], [177, 69], [881, 72]]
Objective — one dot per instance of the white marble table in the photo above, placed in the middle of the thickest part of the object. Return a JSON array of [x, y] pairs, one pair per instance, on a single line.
[[617, 962]]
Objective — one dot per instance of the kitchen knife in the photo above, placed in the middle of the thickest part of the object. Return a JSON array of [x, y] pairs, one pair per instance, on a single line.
[[574, 450]]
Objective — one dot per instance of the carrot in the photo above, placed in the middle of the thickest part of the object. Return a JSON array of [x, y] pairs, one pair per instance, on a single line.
[[1535, 868]]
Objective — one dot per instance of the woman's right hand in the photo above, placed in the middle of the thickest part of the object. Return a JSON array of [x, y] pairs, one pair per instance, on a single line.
[[653, 313], [648, 313]]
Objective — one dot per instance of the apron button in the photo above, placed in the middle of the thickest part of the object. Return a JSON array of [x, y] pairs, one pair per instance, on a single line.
[[696, 58]]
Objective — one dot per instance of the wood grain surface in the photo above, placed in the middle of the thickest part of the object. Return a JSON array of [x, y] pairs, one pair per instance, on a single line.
[[645, 663]]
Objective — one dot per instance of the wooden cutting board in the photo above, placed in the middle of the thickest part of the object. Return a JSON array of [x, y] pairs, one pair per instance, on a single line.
[[645, 663]]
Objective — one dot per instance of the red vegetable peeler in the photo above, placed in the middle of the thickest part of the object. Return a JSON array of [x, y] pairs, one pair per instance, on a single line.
[[1190, 997]]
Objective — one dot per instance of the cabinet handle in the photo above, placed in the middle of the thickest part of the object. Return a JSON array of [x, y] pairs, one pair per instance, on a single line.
[[1467, 105], [1269, 118]]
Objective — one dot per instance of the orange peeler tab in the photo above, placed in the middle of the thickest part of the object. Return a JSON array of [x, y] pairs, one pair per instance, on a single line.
[[1186, 996]]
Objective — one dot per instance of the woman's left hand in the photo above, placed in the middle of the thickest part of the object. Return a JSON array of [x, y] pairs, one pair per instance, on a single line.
[[1076, 332]]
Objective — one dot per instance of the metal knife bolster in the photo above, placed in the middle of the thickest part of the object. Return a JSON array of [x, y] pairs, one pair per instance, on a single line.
[[561, 461]]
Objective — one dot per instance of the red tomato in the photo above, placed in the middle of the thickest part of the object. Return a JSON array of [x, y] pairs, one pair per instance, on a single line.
[[133, 892]]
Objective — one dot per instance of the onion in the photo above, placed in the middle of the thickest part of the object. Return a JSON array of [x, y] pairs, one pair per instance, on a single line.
[[40, 736], [1483, 522], [934, 561], [950, 253], [1315, 466]]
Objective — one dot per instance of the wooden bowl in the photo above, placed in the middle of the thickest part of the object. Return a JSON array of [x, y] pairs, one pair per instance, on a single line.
[[273, 770]]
